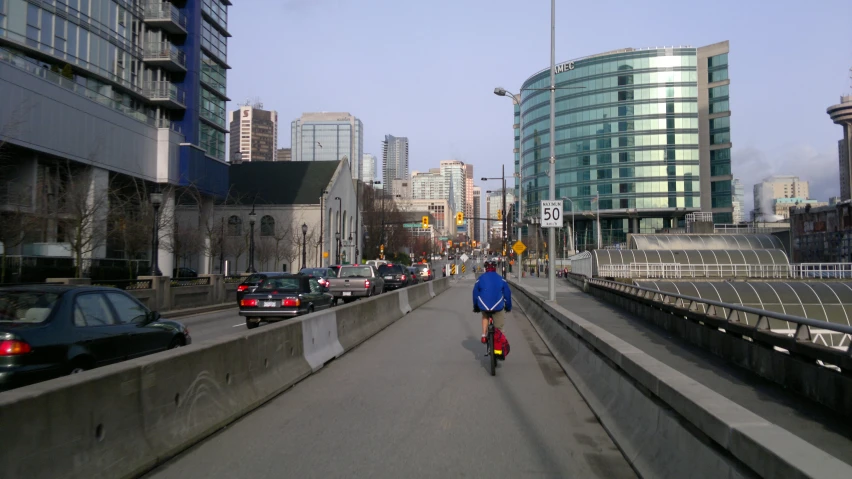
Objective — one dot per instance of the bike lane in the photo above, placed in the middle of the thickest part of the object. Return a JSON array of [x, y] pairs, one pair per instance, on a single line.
[[417, 400]]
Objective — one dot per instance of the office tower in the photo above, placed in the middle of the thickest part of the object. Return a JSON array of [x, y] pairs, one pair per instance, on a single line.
[[394, 160], [477, 213], [328, 137], [254, 134], [368, 168]]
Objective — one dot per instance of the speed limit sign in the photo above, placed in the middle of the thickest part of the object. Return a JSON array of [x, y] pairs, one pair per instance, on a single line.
[[551, 214]]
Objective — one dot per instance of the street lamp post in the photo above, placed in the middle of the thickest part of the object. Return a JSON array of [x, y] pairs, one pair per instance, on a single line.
[[339, 225], [304, 245], [156, 201], [516, 99], [252, 218], [503, 234]]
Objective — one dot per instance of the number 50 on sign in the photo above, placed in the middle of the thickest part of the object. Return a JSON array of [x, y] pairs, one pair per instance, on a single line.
[[551, 214]]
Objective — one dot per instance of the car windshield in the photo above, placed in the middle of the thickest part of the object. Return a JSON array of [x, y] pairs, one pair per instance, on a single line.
[[26, 306], [287, 284], [384, 269], [356, 272], [421, 266], [315, 272], [255, 278]]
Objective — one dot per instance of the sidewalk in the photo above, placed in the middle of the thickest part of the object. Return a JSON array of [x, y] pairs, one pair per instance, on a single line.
[[802, 417]]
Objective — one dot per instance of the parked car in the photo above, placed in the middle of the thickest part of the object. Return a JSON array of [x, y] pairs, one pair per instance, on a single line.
[[48, 331], [354, 281], [322, 274], [184, 273], [250, 284], [282, 296], [424, 270], [395, 275]]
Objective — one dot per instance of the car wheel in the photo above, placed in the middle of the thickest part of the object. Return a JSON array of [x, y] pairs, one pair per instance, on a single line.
[[80, 365], [252, 324], [176, 343]]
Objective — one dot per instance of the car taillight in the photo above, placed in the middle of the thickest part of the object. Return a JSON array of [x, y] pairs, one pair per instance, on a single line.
[[14, 347], [242, 288], [291, 302], [366, 283], [401, 277], [248, 302]]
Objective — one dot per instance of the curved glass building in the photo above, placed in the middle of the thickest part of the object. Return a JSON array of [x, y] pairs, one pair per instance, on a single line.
[[643, 136]]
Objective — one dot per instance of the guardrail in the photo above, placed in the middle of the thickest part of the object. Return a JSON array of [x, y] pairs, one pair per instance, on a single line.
[[178, 282], [757, 324], [757, 271], [125, 284]]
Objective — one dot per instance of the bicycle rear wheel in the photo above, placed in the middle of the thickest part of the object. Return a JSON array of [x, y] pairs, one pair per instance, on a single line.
[[492, 356]]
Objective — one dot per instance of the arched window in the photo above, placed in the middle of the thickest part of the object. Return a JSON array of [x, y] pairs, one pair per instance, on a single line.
[[235, 226], [267, 226]]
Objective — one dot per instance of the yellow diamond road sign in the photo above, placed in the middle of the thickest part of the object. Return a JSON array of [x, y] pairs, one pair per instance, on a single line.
[[519, 247]]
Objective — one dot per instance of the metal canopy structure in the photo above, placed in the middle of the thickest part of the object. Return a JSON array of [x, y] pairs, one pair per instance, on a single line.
[[825, 301], [703, 242], [734, 256]]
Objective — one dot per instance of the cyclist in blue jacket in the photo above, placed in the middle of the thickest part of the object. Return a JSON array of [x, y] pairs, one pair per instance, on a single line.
[[491, 293]]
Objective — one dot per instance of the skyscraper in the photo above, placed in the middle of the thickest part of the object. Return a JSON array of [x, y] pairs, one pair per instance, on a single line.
[[428, 185], [454, 173], [841, 114], [468, 192], [254, 134], [328, 137], [394, 161], [477, 213], [738, 200], [368, 168]]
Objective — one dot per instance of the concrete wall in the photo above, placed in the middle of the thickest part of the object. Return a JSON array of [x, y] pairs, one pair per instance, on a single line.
[[130, 416], [666, 424]]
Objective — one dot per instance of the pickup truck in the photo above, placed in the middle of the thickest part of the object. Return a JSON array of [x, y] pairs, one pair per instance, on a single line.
[[356, 281]]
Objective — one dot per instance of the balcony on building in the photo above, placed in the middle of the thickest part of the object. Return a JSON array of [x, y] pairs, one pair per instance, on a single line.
[[165, 94], [165, 55], [166, 16]]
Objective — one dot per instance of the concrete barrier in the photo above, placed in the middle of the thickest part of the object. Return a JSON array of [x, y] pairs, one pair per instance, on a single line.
[[666, 424], [124, 419], [319, 337], [419, 294]]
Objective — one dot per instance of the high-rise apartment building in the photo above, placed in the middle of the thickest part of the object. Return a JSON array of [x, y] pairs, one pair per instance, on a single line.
[[284, 154], [776, 187], [394, 160], [254, 134], [113, 91], [328, 137], [648, 134], [477, 213], [368, 168], [841, 114], [454, 174], [428, 185], [738, 201], [468, 191]]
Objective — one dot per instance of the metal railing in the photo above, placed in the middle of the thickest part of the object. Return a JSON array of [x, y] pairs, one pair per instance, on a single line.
[[164, 90], [727, 229], [180, 282], [164, 11], [752, 321], [125, 284], [756, 271], [235, 279], [164, 51]]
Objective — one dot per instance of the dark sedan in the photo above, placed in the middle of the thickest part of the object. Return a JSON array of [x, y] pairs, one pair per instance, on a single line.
[[47, 331], [321, 274], [395, 275], [284, 296]]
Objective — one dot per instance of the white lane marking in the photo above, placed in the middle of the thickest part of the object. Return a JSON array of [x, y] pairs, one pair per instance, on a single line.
[[238, 325]]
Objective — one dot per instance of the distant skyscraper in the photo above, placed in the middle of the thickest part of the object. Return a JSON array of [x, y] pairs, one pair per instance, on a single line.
[[328, 137], [394, 161], [477, 213], [368, 168], [284, 154], [841, 114], [454, 173], [738, 200], [428, 185], [254, 135]]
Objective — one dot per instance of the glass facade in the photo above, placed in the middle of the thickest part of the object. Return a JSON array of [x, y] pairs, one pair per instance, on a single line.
[[328, 137], [627, 139], [722, 191]]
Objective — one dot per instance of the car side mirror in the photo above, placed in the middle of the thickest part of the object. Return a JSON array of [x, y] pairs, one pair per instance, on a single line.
[[154, 316]]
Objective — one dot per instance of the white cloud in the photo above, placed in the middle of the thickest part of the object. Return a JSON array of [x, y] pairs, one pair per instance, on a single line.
[[818, 168]]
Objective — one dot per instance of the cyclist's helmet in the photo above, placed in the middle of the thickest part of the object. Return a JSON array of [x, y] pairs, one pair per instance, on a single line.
[[490, 266]]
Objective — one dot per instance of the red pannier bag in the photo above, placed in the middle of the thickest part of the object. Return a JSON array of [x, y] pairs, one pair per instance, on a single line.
[[501, 344]]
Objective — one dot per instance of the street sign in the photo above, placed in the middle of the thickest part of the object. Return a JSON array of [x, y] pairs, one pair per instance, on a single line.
[[325, 254], [444, 238], [464, 258], [519, 247], [551, 214]]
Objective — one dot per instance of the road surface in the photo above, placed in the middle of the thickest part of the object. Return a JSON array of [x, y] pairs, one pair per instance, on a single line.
[[417, 401]]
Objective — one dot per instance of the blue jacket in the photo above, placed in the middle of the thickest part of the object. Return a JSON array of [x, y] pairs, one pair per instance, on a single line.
[[491, 293]]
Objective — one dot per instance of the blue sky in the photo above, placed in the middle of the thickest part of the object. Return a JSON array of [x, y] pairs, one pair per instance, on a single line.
[[427, 69]]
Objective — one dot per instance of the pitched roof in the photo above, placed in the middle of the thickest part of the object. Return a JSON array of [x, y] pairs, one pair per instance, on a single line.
[[281, 182]]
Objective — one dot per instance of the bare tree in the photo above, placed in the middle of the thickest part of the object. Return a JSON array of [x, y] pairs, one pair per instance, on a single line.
[[131, 220]]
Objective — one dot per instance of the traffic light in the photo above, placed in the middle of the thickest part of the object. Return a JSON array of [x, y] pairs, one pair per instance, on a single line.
[[500, 215], [449, 243], [459, 218], [425, 221]]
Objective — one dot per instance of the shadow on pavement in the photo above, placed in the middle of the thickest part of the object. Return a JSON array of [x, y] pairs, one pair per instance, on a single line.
[[475, 346]]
